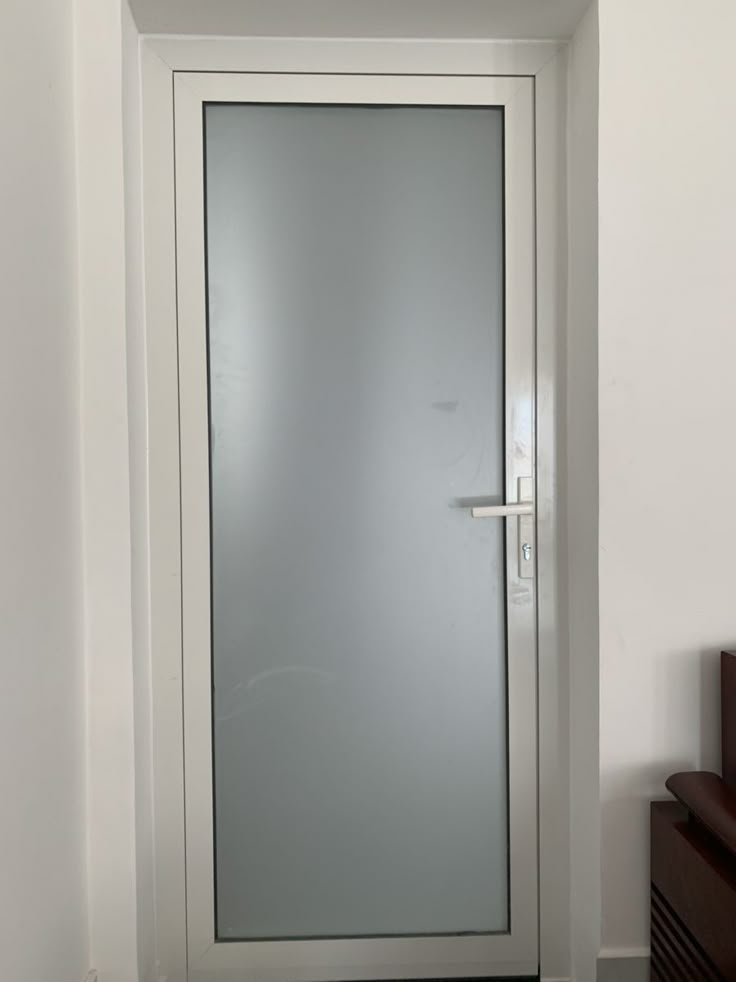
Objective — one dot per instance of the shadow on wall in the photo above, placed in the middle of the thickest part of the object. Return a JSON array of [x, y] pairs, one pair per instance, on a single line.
[[625, 812], [688, 718]]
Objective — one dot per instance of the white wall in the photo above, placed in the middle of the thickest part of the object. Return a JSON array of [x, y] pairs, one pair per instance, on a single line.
[[106, 489], [582, 495], [43, 904], [139, 517], [369, 18], [667, 414]]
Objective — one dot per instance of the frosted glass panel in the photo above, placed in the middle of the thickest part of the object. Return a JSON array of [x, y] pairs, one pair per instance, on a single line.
[[355, 272]]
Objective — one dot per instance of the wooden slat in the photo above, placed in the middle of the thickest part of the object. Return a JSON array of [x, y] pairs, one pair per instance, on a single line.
[[676, 955], [696, 881]]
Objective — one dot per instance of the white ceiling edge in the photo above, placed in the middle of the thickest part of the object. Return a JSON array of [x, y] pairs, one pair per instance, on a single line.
[[433, 19]]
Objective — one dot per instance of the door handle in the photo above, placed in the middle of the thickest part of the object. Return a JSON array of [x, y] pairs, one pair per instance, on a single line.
[[502, 511], [524, 506], [524, 511]]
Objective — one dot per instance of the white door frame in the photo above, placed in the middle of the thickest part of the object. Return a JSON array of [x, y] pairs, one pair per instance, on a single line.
[[508, 954], [162, 61]]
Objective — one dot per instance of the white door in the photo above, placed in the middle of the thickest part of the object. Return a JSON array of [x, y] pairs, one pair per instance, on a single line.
[[356, 362]]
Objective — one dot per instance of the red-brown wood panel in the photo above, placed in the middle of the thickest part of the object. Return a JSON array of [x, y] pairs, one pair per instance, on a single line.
[[693, 900], [728, 717]]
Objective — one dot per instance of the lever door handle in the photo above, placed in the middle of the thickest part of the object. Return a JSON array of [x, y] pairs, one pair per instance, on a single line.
[[503, 511], [524, 511]]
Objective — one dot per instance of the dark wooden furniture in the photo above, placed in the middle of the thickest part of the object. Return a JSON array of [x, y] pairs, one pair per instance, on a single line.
[[693, 864]]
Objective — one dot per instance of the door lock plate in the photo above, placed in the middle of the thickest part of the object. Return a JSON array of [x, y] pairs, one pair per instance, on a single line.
[[526, 531]]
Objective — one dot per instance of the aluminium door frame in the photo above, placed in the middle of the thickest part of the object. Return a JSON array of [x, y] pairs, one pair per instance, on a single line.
[[161, 61], [512, 953]]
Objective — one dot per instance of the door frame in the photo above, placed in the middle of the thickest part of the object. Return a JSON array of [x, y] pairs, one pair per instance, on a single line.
[[508, 954], [162, 60]]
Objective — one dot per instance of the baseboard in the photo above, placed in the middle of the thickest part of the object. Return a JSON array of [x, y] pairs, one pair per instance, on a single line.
[[623, 968]]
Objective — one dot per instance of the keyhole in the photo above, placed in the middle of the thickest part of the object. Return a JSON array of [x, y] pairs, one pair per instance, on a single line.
[[526, 551]]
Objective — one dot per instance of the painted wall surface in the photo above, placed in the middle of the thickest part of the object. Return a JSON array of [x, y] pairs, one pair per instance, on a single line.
[[43, 894], [667, 415], [139, 518], [582, 494], [106, 491], [379, 18]]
